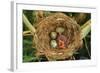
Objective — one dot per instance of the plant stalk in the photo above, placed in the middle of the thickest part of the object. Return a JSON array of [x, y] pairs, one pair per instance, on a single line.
[[28, 24]]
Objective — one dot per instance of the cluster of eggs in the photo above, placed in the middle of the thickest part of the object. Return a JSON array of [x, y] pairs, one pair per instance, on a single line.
[[57, 39]]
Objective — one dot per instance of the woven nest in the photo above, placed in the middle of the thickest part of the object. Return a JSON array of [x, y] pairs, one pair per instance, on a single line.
[[72, 33]]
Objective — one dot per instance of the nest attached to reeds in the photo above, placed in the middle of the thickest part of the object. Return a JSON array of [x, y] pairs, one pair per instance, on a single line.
[[49, 24]]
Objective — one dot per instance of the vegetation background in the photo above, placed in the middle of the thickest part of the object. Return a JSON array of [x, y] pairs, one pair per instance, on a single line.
[[29, 50]]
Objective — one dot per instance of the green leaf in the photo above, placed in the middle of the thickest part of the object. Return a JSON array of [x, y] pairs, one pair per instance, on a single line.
[[29, 58], [85, 29]]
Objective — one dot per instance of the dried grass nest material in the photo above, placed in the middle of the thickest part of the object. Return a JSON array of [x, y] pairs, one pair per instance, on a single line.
[[49, 24]]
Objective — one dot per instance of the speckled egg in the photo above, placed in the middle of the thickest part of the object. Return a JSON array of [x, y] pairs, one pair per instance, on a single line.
[[53, 43], [53, 35], [60, 30]]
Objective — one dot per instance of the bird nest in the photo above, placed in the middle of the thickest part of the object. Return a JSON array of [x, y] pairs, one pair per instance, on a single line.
[[72, 37]]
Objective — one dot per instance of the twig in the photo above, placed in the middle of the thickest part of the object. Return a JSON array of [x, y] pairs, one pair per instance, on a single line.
[[27, 33]]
